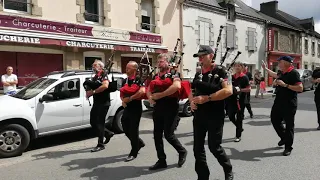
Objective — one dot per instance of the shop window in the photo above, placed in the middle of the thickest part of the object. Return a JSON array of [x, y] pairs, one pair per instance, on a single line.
[[17, 6], [93, 11], [88, 61], [147, 16]]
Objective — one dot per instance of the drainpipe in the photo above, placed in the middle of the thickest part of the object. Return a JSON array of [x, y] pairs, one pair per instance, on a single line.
[[181, 33]]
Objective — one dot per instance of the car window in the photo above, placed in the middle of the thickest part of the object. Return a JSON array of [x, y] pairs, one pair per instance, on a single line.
[[34, 88], [66, 90]]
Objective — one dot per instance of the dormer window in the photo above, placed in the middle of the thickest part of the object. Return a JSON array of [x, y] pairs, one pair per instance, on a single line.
[[231, 12], [17, 6]]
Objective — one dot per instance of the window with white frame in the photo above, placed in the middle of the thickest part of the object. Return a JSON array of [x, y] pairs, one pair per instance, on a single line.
[[251, 39], [231, 36], [231, 12], [147, 15], [306, 48], [204, 34], [93, 11], [17, 6], [318, 49], [313, 48]]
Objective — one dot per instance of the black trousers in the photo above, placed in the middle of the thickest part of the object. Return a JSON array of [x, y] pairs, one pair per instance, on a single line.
[[202, 124], [177, 120], [97, 120], [130, 122], [164, 120], [236, 116], [317, 101], [247, 103], [284, 113]]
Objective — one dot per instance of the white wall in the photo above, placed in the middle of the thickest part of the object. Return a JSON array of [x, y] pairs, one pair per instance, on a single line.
[[190, 39], [309, 59]]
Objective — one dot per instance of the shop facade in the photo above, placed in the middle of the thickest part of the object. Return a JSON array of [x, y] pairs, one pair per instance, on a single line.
[[36, 47]]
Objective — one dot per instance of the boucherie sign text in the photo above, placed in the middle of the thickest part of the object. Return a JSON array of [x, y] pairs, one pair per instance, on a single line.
[[19, 39], [89, 45]]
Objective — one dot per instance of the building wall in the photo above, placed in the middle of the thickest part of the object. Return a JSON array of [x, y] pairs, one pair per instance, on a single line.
[[310, 59], [284, 41], [191, 34]]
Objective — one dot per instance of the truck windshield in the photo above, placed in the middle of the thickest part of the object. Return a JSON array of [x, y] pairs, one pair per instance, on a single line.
[[34, 88]]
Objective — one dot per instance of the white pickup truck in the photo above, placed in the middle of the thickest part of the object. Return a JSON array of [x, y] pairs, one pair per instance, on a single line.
[[29, 114]]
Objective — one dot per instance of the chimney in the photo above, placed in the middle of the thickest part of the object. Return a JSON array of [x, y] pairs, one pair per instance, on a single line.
[[269, 8]]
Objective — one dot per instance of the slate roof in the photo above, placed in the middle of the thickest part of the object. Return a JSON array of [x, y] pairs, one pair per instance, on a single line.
[[247, 11]]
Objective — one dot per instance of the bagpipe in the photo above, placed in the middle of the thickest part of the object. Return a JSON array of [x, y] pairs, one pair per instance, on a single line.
[[95, 82], [161, 83], [129, 90]]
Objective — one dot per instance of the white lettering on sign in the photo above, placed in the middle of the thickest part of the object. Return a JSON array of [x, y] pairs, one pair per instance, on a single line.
[[89, 45], [19, 39], [141, 49]]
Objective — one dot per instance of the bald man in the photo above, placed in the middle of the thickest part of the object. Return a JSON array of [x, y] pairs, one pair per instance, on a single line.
[[132, 111], [9, 82]]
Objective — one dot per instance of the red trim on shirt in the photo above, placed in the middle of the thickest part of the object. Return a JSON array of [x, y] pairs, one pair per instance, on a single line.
[[288, 70], [298, 83], [132, 77], [208, 69], [236, 76]]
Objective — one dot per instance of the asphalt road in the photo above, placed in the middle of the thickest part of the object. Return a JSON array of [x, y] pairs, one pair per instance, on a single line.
[[256, 157]]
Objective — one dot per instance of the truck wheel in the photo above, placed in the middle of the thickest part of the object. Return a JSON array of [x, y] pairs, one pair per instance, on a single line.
[[187, 109], [117, 125], [14, 139]]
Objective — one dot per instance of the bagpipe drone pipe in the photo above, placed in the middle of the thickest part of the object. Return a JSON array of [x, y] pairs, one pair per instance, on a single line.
[[129, 90], [160, 84]]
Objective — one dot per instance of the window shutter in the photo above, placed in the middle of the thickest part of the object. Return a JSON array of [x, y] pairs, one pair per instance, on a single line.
[[235, 38], [251, 40], [230, 36]]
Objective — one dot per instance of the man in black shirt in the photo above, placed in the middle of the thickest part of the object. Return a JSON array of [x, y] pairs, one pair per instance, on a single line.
[[132, 111], [316, 80], [209, 113], [236, 102], [288, 83], [101, 104], [164, 116], [248, 94]]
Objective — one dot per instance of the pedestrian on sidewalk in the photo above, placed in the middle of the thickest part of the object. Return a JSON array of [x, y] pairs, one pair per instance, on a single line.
[[288, 83], [9, 82], [262, 86], [257, 80]]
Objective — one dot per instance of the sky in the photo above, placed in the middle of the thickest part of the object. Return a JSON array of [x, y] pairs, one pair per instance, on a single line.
[[293, 7]]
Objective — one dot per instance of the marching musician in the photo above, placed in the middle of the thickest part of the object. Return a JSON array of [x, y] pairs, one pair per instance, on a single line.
[[101, 104], [316, 79], [248, 94], [164, 116], [285, 104], [236, 102], [132, 111], [209, 114]]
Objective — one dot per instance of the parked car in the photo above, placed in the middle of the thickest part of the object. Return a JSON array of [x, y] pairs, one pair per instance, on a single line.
[[30, 114], [184, 105], [306, 78]]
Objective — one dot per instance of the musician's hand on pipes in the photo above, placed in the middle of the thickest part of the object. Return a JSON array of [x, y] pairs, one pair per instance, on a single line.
[[200, 99], [156, 96], [193, 106], [318, 80], [281, 83], [124, 104], [89, 94], [151, 100], [126, 100]]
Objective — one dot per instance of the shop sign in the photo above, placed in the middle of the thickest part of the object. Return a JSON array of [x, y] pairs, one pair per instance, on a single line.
[[89, 45], [42, 25], [19, 39], [142, 49]]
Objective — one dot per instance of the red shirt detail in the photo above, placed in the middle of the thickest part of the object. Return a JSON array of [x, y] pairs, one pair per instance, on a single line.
[[236, 76]]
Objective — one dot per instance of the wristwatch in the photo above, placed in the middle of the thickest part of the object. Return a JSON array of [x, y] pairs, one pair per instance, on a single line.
[[94, 91], [209, 98], [287, 85]]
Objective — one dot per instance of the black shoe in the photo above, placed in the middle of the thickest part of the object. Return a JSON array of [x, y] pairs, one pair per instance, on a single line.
[[182, 159], [287, 152], [281, 142], [98, 148], [229, 175], [130, 158], [251, 116], [318, 128], [108, 137], [159, 165]]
